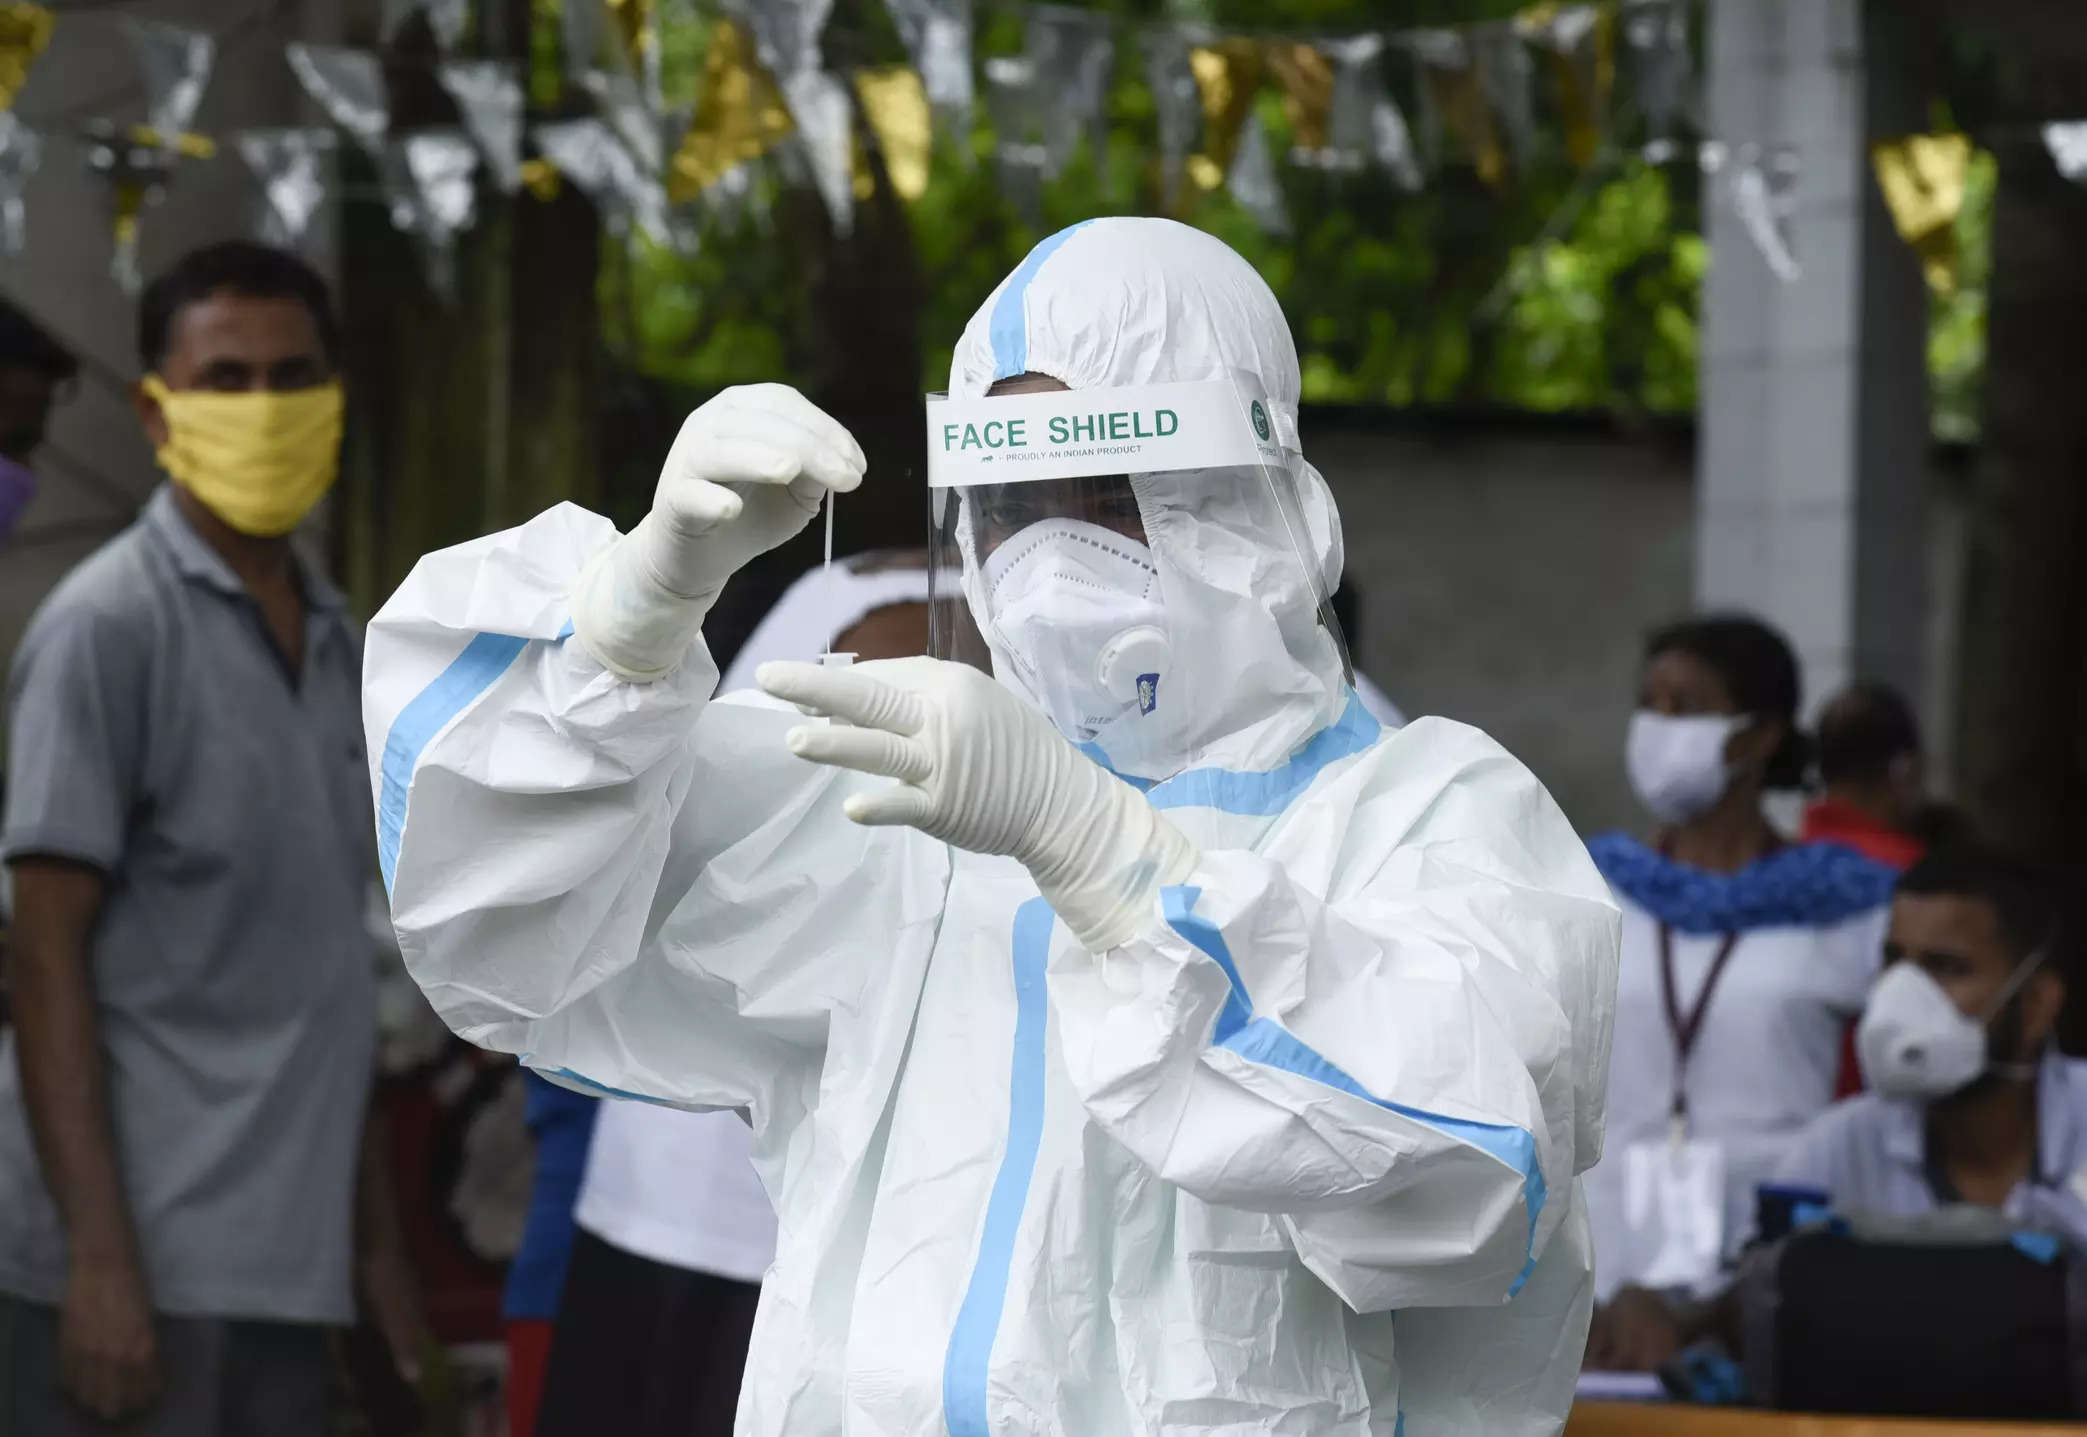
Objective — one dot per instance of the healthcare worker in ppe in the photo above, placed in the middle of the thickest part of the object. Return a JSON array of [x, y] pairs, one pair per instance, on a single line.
[[1135, 1040]]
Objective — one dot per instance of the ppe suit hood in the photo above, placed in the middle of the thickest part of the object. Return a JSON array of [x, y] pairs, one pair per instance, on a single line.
[[1243, 554]]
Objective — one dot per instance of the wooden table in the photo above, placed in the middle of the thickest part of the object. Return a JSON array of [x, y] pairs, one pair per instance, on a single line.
[[1653, 1419]]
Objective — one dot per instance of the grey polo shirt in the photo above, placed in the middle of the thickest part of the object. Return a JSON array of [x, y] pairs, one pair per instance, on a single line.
[[157, 735], [1870, 1153]]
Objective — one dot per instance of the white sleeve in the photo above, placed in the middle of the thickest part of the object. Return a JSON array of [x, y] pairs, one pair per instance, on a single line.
[[1853, 950], [537, 832], [1410, 1072]]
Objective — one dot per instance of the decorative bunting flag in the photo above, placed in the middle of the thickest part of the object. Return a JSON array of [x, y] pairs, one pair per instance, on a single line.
[[895, 103], [1662, 71], [295, 171], [1505, 77], [740, 116], [175, 64], [1922, 177], [441, 200], [2067, 142], [1453, 103], [1580, 43], [1252, 180], [1228, 75], [1304, 74], [488, 94], [1764, 195], [21, 152], [24, 31], [937, 35], [446, 19]]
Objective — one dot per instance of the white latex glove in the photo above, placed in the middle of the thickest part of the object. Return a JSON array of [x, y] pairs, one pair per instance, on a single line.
[[747, 471], [979, 768]]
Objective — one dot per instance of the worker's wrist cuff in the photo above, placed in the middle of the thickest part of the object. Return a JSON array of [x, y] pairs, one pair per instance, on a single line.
[[1108, 894], [633, 625]]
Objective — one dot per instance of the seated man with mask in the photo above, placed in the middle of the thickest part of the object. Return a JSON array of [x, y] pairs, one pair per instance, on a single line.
[[1169, 1048], [1970, 1100]]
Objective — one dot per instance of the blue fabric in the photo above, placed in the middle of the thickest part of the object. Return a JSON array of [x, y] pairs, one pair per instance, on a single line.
[[1008, 328], [598, 1090], [1264, 1041], [562, 1122], [1178, 904], [1806, 885], [1263, 792], [470, 674], [2036, 1246], [970, 1353]]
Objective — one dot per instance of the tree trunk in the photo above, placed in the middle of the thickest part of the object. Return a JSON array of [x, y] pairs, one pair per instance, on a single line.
[[2023, 740]]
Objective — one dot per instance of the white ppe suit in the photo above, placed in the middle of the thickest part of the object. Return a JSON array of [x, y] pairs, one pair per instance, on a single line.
[[1298, 1157]]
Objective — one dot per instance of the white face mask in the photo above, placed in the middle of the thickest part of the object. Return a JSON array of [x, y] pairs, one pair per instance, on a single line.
[[1677, 763], [1077, 609], [1915, 1043]]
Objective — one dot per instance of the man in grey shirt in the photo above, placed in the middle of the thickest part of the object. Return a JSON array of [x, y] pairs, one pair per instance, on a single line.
[[188, 829]]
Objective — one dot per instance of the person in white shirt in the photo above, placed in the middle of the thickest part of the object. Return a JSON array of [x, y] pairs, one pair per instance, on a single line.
[[1743, 958]]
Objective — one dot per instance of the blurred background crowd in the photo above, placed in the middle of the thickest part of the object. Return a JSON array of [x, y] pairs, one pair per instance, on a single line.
[[1680, 367]]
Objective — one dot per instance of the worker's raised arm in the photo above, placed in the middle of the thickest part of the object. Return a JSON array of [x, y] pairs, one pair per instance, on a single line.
[[536, 706]]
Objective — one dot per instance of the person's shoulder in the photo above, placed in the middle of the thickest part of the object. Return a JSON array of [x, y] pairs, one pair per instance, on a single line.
[[109, 600], [1454, 789]]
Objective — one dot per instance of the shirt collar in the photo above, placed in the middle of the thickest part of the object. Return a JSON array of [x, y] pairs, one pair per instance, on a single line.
[[195, 559]]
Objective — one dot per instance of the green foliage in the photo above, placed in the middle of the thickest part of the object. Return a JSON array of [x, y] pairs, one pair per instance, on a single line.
[[1957, 322]]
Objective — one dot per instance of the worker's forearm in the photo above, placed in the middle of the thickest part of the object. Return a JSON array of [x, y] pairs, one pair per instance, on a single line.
[[65, 1088]]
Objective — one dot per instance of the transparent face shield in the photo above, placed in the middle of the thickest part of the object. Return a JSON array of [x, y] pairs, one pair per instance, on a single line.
[[1148, 565]]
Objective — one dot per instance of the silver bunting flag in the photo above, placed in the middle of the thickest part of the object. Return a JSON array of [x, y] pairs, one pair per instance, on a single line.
[[21, 152], [1071, 53], [621, 101], [1364, 124], [1663, 72], [1016, 108], [2066, 140], [440, 201], [446, 18], [1764, 195], [349, 86], [937, 36], [1507, 77], [175, 64], [1176, 99], [825, 129], [591, 155], [294, 168], [488, 94], [1252, 180], [786, 38]]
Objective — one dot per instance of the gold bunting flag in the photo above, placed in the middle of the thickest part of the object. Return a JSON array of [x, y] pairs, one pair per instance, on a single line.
[[1922, 177], [634, 29], [1580, 43], [1457, 99], [895, 103], [541, 178], [1228, 76], [24, 30], [1305, 77], [740, 116]]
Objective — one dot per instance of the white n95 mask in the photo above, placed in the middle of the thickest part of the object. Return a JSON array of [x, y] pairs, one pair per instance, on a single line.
[[1915, 1043], [1676, 762], [1077, 609]]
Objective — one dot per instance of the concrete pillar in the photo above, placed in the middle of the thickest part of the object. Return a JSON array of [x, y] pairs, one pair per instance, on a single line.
[[1814, 391]]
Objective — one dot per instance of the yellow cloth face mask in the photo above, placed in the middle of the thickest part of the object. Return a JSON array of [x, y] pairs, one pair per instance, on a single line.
[[258, 459]]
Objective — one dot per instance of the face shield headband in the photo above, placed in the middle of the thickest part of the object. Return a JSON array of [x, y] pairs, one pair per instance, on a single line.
[[1136, 562]]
